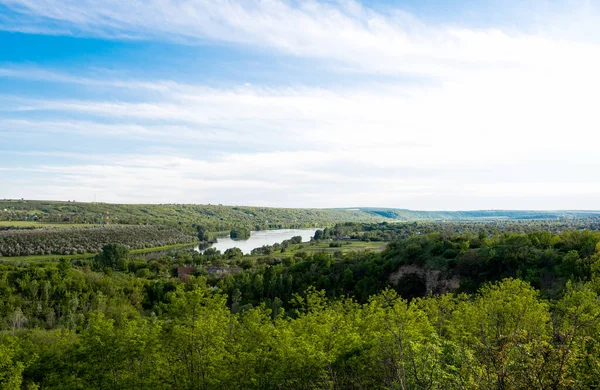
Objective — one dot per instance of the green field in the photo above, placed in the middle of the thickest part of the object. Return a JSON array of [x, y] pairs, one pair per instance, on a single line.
[[347, 246], [34, 224], [48, 258], [323, 247]]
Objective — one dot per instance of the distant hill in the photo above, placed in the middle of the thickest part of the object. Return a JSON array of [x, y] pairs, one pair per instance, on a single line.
[[185, 216], [413, 215], [221, 218]]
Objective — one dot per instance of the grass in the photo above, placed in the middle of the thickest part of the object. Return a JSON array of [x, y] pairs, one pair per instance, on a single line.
[[323, 247], [35, 258], [347, 246], [28, 264], [160, 248], [34, 224]]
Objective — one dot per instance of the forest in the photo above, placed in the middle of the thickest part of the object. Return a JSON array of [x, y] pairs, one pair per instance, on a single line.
[[433, 305]]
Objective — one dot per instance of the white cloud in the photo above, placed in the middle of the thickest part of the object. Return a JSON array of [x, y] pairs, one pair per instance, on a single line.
[[348, 33], [406, 145], [486, 116], [504, 108]]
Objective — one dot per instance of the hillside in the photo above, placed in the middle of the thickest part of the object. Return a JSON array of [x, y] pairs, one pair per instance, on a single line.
[[219, 218], [414, 215], [213, 217]]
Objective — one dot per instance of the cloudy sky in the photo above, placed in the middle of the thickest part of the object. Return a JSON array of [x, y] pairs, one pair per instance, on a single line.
[[441, 104]]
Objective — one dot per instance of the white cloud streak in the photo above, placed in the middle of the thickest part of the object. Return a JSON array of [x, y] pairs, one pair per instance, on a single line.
[[502, 106], [346, 33]]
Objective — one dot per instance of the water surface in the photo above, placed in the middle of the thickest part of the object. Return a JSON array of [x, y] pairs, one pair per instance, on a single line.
[[260, 238]]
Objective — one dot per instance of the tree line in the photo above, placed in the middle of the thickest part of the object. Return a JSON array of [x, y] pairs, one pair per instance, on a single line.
[[503, 337]]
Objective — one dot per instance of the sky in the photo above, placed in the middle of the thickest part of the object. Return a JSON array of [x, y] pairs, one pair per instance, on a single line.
[[428, 105]]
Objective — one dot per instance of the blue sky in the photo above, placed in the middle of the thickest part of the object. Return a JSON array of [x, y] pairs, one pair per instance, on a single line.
[[412, 104]]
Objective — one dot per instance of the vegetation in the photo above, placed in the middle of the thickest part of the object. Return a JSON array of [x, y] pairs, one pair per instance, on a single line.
[[505, 336], [215, 218], [10, 225], [386, 231], [417, 305], [415, 267], [86, 240], [186, 217], [203, 234], [239, 234], [412, 215], [113, 256]]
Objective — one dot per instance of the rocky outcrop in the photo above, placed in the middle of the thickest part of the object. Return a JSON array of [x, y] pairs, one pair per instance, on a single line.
[[435, 282]]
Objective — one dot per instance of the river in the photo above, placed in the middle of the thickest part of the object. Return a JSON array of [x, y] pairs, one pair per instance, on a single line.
[[260, 238]]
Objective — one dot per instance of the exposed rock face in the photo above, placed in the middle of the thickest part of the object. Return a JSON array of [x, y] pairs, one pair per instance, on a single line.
[[435, 282], [184, 273]]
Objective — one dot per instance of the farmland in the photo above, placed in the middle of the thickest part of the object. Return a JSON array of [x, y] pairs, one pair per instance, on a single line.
[[77, 240], [5, 225]]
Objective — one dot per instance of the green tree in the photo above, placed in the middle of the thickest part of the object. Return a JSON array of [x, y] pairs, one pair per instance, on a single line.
[[11, 369], [203, 234], [233, 253], [318, 235], [575, 358], [195, 339], [64, 267], [240, 233], [114, 256], [507, 327]]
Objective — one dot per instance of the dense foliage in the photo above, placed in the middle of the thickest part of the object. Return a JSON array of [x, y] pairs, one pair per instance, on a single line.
[[385, 231], [524, 313], [113, 256], [239, 233], [87, 239], [432, 263], [503, 337]]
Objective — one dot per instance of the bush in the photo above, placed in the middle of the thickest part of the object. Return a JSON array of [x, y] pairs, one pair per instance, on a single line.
[[143, 273]]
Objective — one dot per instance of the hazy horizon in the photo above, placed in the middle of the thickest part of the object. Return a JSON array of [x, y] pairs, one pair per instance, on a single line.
[[436, 106], [349, 208]]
